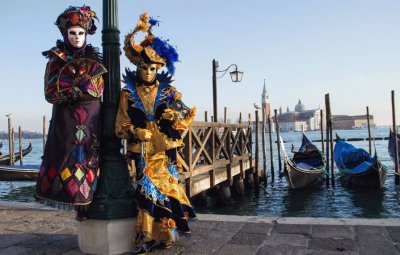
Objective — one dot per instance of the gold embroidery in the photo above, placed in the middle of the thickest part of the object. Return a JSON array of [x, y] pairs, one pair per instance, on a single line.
[[147, 95]]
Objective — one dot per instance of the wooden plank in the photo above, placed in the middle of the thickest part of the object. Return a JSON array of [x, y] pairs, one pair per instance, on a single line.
[[201, 147]]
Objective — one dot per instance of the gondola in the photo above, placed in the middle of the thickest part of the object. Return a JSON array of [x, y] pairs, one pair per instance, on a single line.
[[357, 167], [5, 159], [306, 168], [392, 144], [19, 173]]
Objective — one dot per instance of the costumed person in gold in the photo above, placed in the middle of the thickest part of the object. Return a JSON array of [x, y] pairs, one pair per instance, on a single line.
[[151, 116], [73, 84]]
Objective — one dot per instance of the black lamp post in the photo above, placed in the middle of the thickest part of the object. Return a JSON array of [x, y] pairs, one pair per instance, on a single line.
[[236, 76], [114, 196]]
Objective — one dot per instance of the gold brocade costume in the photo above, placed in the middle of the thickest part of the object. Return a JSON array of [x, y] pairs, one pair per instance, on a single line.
[[151, 115], [163, 207]]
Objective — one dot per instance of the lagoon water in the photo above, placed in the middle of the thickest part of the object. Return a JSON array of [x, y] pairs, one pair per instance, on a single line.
[[276, 199]]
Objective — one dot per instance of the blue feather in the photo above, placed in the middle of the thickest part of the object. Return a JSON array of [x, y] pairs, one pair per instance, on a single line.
[[166, 51], [154, 22]]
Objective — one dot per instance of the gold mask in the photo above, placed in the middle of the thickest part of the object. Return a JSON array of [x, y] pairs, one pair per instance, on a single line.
[[148, 72]]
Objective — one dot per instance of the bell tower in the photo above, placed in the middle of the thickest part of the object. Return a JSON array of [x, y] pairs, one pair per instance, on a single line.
[[265, 102]]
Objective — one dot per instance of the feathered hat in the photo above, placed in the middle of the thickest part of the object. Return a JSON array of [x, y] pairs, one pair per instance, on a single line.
[[152, 49], [77, 16]]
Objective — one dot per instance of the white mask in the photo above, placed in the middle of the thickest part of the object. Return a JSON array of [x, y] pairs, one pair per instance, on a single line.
[[76, 36]]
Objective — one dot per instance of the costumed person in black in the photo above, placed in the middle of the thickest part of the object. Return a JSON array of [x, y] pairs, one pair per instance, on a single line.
[[151, 115], [73, 84]]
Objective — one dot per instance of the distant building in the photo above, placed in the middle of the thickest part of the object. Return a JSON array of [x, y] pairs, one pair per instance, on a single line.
[[265, 102], [350, 122], [266, 109], [300, 119]]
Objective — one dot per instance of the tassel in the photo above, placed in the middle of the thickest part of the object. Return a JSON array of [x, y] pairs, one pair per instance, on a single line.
[[55, 204]]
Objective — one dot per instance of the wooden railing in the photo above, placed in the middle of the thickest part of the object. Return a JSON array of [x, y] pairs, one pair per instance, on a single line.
[[210, 146]]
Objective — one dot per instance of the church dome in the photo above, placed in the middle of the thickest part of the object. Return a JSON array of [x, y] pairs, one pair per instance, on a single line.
[[299, 107]]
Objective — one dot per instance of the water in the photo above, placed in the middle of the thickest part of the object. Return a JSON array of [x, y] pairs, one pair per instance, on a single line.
[[22, 191], [276, 199]]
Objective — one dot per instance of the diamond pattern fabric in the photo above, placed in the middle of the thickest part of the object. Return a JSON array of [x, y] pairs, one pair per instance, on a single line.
[[79, 174], [65, 173]]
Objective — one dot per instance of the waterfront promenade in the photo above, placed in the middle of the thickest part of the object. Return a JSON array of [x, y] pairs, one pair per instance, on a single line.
[[27, 228]]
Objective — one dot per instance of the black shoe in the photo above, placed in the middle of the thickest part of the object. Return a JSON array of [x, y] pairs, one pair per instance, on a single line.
[[165, 245], [146, 247], [81, 216], [139, 238]]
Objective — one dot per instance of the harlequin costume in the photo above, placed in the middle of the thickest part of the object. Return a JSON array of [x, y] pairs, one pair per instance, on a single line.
[[153, 107], [73, 84]]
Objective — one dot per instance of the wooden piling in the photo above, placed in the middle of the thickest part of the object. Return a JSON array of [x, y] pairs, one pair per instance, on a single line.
[[12, 155], [257, 153], [44, 132], [240, 118], [369, 133], [225, 110], [271, 151], [396, 149], [205, 116], [331, 144], [327, 154], [278, 144], [9, 141], [20, 145], [322, 130], [264, 151]]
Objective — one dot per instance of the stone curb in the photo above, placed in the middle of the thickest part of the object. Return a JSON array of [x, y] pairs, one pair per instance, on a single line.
[[252, 219]]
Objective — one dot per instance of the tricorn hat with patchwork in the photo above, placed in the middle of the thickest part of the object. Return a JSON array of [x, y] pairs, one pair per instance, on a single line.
[[75, 16]]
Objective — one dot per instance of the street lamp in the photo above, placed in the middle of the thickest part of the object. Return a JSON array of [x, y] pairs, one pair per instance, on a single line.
[[236, 76]]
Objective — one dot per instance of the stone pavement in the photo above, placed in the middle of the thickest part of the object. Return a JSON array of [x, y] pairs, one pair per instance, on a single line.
[[35, 229]]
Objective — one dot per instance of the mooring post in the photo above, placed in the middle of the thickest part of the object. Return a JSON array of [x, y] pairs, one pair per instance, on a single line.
[[322, 130], [20, 145], [271, 151], [12, 156], [225, 110], [369, 132], [327, 154], [257, 152], [396, 148], [9, 141], [264, 147], [278, 143], [331, 143]]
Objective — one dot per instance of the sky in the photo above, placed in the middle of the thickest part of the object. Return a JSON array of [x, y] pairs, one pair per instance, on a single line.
[[302, 48]]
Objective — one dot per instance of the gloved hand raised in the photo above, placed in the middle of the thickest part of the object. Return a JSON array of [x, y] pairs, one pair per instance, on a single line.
[[142, 134]]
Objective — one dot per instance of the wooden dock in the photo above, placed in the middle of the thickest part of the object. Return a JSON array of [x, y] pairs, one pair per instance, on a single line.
[[216, 153]]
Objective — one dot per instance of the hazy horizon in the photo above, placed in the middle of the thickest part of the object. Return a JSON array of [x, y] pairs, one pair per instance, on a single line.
[[304, 49]]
